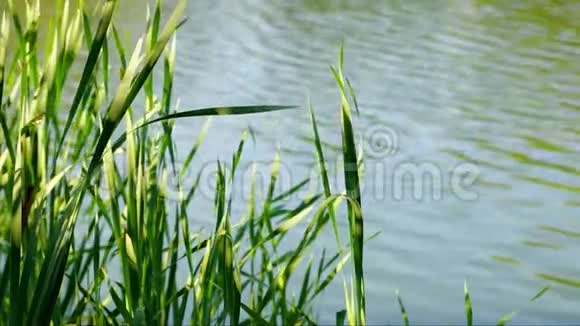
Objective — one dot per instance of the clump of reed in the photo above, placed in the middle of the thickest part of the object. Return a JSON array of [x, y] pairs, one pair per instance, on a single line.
[[55, 154]]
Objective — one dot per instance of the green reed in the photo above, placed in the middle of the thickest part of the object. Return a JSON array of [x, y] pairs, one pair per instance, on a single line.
[[59, 271]]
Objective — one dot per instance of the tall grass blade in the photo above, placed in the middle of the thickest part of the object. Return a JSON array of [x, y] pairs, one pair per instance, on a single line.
[[352, 185]]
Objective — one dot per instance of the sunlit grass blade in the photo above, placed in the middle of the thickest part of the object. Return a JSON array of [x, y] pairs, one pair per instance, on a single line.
[[468, 308]]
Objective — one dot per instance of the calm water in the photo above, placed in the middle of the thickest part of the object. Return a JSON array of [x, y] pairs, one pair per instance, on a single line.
[[491, 87]]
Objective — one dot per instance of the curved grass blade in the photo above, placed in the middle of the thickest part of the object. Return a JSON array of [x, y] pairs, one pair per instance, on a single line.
[[205, 112]]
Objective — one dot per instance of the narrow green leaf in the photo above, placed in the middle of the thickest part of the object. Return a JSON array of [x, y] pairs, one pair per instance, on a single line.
[[215, 111], [324, 173], [404, 314], [468, 309], [506, 319], [540, 293], [560, 279]]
